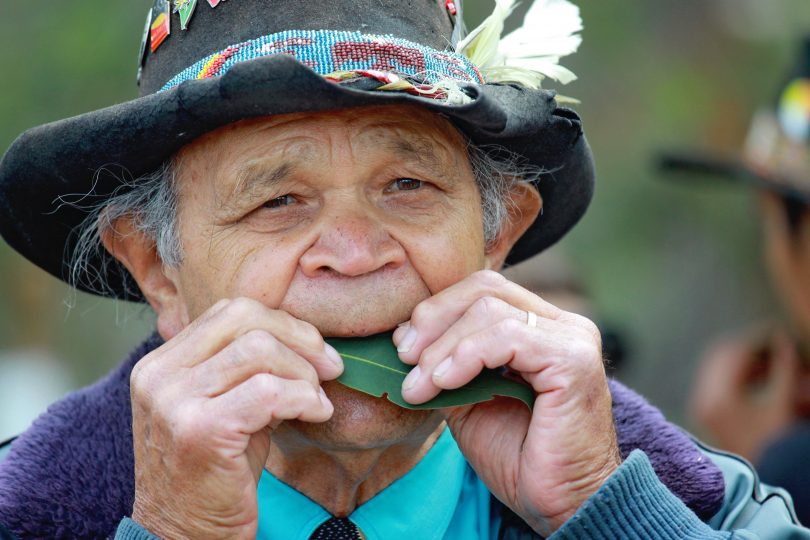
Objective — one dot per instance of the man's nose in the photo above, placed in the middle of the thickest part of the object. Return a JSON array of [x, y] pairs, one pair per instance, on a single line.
[[352, 244]]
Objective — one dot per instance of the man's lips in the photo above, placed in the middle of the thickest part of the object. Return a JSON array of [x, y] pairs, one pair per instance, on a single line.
[[364, 332], [355, 306]]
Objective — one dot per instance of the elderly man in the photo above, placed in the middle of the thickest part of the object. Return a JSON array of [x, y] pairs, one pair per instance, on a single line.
[[293, 179]]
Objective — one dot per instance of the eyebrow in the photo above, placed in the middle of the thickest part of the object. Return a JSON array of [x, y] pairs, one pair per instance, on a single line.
[[420, 150], [256, 177]]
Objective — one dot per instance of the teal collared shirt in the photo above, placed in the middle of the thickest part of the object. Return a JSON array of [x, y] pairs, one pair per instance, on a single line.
[[441, 498]]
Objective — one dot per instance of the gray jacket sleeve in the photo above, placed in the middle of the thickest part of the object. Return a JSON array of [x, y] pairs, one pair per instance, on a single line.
[[751, 508], [633, 503]]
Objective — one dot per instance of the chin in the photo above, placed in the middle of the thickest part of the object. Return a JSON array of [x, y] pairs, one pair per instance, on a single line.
[[362, 422]]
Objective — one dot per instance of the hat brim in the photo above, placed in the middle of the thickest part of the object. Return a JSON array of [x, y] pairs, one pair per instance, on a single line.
[[49, 166], [730, 169]]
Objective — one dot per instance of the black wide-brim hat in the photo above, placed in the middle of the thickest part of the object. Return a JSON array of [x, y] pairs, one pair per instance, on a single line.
[[776, 153], [51, 172]]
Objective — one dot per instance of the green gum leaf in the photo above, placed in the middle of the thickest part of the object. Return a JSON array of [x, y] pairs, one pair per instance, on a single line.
[[373, 367]]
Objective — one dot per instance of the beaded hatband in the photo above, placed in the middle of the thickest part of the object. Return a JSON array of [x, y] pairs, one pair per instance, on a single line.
[[330, 51]]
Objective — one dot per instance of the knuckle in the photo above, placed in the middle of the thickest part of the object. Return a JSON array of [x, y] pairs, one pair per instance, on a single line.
[[489, 278], [253, 344], [310, 335], [466, 349], [304, 372], [306, 335], [145, 364], [590, 328], [144, 381], [268, 388], [583, 322], [431, 357], [136, 377], [588, 325], [585, 352], [242, 308], [210, 313], [485, 306], [511, 326], [310, 375], [421, 313]]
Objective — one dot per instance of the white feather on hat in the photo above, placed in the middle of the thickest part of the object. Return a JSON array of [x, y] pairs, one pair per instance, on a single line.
[[530, 53]]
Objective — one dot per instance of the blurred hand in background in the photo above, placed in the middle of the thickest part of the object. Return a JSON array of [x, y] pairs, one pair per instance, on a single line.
[[749, 390]]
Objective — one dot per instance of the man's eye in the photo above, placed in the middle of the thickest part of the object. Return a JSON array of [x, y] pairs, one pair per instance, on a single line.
[[405, 184], [278, 202]]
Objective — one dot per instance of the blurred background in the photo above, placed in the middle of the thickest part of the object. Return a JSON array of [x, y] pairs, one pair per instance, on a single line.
[[669, 266]]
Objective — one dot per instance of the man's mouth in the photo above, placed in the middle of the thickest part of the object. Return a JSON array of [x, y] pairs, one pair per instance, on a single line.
[[356, 307]]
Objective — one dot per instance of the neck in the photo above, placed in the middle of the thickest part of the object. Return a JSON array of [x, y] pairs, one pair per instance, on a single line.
[[339, 478]]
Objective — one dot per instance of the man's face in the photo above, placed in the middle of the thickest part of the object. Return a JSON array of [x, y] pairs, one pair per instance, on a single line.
[[345, 219]]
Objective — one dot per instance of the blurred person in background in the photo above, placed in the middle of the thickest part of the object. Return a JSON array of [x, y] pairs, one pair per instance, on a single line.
[[752, 390]]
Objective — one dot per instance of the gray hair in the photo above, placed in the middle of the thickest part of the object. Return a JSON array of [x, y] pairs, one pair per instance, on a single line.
[[497, 171], [151, 202]]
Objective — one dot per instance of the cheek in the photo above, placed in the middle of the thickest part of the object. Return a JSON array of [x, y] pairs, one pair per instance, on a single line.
[[264, 273], [236, 265], [451, 252]]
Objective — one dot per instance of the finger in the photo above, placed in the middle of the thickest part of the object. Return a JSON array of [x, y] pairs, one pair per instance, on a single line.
[[217, 328], [733, 362], [527, 350], [172, 344], [432, 317], [250, 354], [266, 400], [482, 314]]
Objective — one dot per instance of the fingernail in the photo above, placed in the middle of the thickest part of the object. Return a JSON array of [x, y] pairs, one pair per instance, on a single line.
[[411, 379], [399, 333], [407, 340], [323, 397], [333, 355], [442, 368]]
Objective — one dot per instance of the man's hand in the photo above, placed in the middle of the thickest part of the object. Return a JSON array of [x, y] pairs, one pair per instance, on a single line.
[[204, 406], [542, 464]]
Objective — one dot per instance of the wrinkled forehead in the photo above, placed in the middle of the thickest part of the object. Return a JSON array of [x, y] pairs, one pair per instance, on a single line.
[[408, 132]]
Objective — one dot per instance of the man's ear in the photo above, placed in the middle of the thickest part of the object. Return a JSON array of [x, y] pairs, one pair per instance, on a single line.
[[139, 256], [524, 205]]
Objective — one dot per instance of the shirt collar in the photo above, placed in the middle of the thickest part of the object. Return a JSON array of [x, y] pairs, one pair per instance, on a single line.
[[420, 504]]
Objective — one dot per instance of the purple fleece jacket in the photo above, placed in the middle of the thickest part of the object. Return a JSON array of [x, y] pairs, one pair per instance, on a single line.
[[71, 474]]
